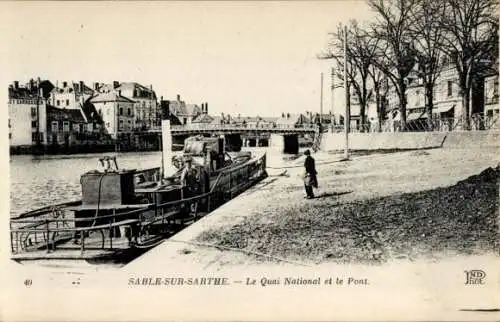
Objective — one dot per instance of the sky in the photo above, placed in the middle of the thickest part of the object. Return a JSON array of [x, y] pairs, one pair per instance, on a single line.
[[248, 58]]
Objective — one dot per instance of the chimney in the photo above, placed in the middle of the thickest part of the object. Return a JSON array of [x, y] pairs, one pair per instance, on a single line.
[[178, 98], [282, 115], [30, 84], [81, 86], [96, 86], [65, 84], [165, 109], [116, 84], [206, 108], [41, 92], [16, 84], [287, 116]]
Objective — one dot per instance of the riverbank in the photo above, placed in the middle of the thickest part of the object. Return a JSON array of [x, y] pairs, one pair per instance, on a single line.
[[372, 209]]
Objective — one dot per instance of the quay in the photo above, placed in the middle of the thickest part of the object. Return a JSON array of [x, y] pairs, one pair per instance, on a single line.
[[272, 223]]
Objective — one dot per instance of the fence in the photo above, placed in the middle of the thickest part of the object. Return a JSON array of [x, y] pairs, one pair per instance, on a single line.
[[30, 232], [476, 123]]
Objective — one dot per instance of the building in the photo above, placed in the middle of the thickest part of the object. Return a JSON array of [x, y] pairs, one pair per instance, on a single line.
[[186, 113], [116, 112], [447, 100], [64, 125], [70, 94], [27, 113], [146, 111]]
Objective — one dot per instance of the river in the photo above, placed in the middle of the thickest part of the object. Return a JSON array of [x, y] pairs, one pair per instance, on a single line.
[[37, 181]]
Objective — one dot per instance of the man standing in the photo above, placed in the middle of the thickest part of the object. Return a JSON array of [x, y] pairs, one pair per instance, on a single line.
[[189, 178], [310, 179]]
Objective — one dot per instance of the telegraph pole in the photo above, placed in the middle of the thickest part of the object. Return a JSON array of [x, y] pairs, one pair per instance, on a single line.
[[332, 116], [321, 102], [347, 112]]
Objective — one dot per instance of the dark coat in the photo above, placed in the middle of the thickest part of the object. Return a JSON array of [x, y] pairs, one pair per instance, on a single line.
[[310, 178], [310, 165]]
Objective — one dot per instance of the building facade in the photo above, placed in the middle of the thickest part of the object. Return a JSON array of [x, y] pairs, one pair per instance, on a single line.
[[27, 113], [70, 94], [116, 112], [146, 108]]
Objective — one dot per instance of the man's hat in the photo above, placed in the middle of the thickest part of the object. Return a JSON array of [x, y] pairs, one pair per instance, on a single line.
[[307, 152]]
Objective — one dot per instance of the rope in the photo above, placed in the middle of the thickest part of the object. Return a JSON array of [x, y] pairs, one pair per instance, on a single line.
[[238, 250]]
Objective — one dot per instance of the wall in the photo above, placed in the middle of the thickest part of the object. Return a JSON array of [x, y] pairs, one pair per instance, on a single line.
[[383, 141], [412, 140]]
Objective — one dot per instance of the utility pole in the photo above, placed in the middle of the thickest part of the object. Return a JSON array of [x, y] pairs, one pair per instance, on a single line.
[[321, 102], [333, 98], [347, 112]]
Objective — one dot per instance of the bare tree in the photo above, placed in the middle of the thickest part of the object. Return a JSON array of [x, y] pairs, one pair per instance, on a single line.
[[380, 90], [360, 51], [392, 28], [428, 44], [471, 28]]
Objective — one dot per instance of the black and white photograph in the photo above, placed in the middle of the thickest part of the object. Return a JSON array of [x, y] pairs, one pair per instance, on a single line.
[[250, 160]]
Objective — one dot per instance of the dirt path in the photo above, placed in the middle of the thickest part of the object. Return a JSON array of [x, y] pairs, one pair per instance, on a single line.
[[372, 209]]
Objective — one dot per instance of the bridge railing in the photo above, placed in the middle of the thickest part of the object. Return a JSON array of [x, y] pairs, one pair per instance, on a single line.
[[202, 126]]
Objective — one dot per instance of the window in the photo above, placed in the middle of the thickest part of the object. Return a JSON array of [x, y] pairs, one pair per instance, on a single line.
[[34, 135], [495, 88], [121, 110], [450, 88], [129, 112], [10, 136], [33, 111], [90, 126], [33, 124], [184, 120], [417, 99], [67, 102], [9, 124], [58, 102], [65, 126], [76, 127], [120, 126], [54, 126]]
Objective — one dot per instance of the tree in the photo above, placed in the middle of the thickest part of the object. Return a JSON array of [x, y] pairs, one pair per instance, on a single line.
[[380, 89], [471, 37], [428, 44], [360, 51], [392, 28]]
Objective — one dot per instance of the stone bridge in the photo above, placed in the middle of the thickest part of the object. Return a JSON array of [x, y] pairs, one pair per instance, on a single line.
[[281, 136]]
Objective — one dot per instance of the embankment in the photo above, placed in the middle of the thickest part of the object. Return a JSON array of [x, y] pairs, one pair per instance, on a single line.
[[411, 140]]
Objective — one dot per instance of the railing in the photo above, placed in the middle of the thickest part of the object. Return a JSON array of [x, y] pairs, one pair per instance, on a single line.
[[476, 123], [226, 127], [29, 233]]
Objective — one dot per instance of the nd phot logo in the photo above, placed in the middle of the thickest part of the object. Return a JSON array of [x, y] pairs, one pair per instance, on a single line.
[[474, 277]]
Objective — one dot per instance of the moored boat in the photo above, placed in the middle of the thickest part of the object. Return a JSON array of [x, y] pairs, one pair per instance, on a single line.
[[124, 212]]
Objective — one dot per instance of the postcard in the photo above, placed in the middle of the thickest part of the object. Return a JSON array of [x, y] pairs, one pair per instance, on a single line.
[[250, 160]]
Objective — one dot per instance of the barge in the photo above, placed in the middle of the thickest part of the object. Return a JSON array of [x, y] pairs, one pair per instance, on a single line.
[[125, 212]]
